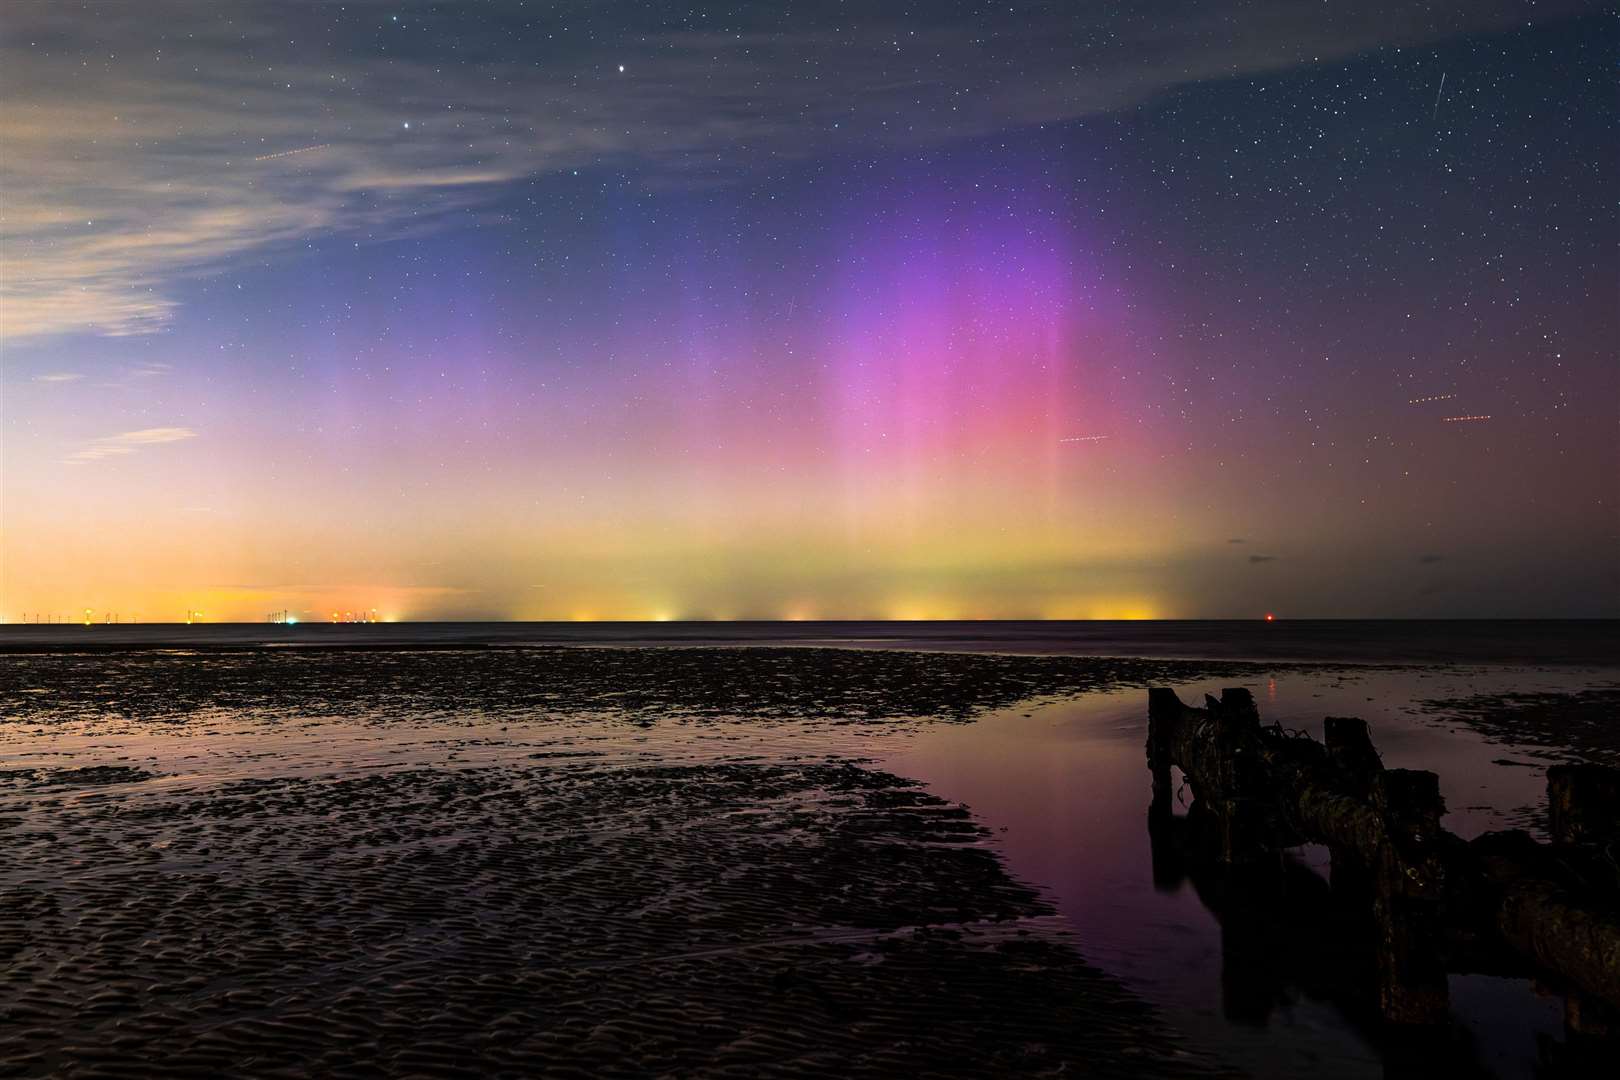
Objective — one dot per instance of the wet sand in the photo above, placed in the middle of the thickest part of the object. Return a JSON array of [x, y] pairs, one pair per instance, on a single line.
[[1577, 725], [577, 863], [649, 861]]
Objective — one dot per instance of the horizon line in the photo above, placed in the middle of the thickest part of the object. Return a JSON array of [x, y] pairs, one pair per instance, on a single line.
[[1262, 618]]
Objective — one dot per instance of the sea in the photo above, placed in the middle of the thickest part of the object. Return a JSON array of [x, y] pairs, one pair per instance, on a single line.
[[1381, 641]]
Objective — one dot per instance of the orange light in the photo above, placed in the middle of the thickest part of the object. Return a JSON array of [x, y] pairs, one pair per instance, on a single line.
[[1270, 617]]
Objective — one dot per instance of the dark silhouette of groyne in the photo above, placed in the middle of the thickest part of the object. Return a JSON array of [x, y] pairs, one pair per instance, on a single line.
[[1408, 901]]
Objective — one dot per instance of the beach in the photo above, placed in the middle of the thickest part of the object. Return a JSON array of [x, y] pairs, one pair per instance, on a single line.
[[477, 859]]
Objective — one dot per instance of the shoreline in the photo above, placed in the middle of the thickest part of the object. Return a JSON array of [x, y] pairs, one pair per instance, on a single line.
[[1360, 642]]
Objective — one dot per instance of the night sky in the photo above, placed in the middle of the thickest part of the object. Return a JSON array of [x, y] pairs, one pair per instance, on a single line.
[[824, 310]]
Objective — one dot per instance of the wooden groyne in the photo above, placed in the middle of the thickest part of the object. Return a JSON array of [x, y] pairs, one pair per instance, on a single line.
[[1501, 904]]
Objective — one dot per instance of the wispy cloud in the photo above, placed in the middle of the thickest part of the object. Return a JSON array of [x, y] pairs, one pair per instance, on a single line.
[[145, 146], [129, 442], [1262, 558], [130, 376], [59, 377]]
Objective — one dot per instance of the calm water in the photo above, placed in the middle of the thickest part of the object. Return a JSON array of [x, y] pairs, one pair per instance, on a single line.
[[1382, 641]]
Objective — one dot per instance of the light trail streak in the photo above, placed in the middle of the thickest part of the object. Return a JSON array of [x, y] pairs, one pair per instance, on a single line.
[[290, 153]]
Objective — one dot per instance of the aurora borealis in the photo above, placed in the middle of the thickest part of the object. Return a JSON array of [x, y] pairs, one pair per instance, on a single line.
[[592, 311]]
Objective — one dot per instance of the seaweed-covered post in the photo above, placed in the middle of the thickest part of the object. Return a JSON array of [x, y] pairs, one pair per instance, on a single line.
[[1408, 898], [1164, 712], [1164, 836], [1356, 765], [1583, 808], [1242, 794], [1219, 749], [1583, 804], [1350, 750]]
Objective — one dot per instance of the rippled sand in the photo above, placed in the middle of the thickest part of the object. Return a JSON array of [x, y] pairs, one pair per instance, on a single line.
[[575, 862]]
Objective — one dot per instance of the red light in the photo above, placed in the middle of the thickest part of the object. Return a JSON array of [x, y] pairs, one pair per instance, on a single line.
[[1270, 617]]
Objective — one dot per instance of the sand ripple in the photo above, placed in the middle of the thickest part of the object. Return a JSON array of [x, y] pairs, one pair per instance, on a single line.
[[260, 899]]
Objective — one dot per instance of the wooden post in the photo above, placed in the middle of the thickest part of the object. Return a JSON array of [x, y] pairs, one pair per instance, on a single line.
[[1350, 749], [1164, 712], [1583, 804], [1407, 900], [1259, 790], [1243, 796]]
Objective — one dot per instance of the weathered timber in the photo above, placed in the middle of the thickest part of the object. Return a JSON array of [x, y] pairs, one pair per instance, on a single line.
[[1350, 751], [1439, 904], [1583, 804]]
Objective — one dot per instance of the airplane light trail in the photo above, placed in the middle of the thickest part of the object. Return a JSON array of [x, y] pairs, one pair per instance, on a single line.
[[1459, 419], [1431, 397], [1084, 438], [290, 153]]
